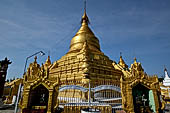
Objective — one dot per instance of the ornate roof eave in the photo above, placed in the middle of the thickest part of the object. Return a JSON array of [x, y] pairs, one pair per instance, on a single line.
[[40, 81], [140, 78]]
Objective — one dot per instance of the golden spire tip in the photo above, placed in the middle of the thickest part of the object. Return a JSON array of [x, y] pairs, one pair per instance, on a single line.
[[85, 17]]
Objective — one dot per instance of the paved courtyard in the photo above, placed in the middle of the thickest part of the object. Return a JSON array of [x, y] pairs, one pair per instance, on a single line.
[[6, 111], [167, 110]]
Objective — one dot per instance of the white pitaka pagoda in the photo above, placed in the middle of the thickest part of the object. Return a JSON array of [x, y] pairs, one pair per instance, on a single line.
[[166, 81], [165, 87]]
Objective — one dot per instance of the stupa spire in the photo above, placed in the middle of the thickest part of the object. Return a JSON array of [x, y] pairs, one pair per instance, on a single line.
[[84, 5], [85, 19], [166, 73], [83, 35]]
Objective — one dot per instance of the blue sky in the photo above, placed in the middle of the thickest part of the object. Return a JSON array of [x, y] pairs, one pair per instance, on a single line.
[[137, 28]]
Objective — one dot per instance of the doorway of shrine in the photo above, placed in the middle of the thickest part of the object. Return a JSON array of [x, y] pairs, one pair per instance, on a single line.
[[38, 99], [143, 99]]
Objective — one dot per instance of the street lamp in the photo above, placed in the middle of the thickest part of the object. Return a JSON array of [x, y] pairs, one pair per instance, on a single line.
[[20, 86], [41, 53]]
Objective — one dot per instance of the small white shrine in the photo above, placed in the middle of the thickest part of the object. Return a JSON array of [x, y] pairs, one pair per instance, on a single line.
[[166, 81]]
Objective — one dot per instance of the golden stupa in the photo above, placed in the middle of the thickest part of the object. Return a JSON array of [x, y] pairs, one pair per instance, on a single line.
[[83, 63]]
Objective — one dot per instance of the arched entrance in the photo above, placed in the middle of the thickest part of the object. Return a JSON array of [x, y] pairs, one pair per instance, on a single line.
[[38, 99], [142, 99]]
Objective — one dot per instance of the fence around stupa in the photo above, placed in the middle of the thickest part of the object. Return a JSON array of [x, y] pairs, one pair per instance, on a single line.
[[102, 99]]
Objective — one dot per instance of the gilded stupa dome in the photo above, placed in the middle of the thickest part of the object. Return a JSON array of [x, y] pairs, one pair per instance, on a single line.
[[83, 35]]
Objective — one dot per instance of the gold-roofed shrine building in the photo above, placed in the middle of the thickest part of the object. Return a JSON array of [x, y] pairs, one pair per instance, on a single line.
[[67, 80], [11, 90], [140, 92]]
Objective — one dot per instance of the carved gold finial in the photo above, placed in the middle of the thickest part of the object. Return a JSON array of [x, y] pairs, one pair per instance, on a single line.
[[122, 62], [35, 59], [121, 59], [48, 58], [135, 60], [48, 61]]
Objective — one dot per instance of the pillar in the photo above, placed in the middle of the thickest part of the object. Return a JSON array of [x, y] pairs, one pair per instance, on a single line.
[[50, 101], [130, 101], [156, 100], [25, 98]]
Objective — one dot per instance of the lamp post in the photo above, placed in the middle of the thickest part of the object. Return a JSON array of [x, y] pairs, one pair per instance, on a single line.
[[20, 86]]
